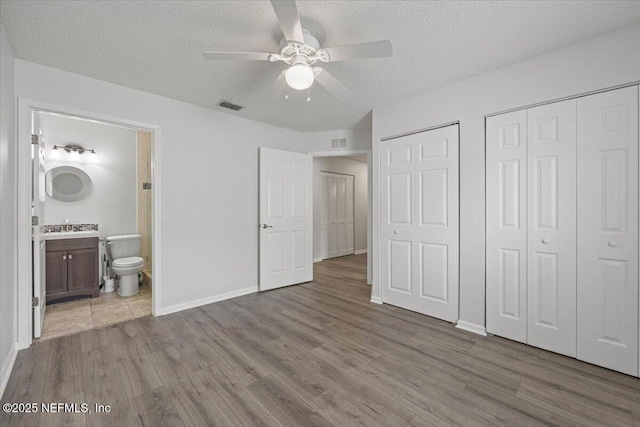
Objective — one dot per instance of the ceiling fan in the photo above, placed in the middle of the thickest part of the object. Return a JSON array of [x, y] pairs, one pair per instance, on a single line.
[[300, 50]]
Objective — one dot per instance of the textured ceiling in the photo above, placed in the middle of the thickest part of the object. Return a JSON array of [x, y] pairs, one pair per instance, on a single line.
[[156, 46]]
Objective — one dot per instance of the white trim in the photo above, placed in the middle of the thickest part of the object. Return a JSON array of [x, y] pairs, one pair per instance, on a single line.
[[8, 367], [471, 327], [209, 300], [376, 300], [318, 260], [360, 252], [25, 108]]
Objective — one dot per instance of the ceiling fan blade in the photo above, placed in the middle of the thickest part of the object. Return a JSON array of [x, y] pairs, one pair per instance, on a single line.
[[332, 84], [379, 49], [243, 56], [277, 87], [289, 20]]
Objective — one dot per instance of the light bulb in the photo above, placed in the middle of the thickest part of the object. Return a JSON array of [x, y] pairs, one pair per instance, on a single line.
[[299, 76]]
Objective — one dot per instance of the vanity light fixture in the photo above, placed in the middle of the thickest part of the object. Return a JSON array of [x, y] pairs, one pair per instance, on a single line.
[[74, 149]]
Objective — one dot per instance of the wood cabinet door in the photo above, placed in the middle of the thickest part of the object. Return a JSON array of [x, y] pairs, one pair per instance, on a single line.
[[83, 269], [56, 268]]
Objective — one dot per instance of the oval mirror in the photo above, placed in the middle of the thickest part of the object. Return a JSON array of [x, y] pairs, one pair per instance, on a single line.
[[67, 184]]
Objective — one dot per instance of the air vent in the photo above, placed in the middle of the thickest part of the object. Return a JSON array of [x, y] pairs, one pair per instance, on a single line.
[[229, 105], [339, 143]]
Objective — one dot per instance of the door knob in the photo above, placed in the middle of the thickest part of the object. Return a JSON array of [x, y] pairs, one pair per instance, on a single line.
[[612, 244], [266, 226], [396, 231], [545, 241]]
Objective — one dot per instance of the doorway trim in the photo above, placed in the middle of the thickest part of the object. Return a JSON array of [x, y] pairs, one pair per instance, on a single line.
[[351, 152], [25, 108]]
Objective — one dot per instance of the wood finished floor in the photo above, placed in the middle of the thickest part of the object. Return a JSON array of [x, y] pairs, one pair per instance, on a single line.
[[313, 354]]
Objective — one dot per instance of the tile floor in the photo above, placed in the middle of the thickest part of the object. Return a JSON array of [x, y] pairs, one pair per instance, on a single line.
[[70, 317]]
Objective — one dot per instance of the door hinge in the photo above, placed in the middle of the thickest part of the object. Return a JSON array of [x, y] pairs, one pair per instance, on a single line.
[[34, 139], [35, 301], [35, 220]]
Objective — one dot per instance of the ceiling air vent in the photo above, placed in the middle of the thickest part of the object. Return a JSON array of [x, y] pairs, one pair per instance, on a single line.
[[339, 143], [229, 105]]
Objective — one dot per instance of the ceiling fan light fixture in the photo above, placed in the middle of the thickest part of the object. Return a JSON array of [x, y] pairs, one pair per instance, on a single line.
[[299, 76]]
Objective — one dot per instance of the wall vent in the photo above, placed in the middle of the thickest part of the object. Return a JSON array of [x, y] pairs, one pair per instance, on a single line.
[[339, 143], [229, 105]]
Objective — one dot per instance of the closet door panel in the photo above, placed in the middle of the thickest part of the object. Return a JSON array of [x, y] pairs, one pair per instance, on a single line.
[[397, 221], [608, 229], [551, 229], [436, 212], [419, 213], [506, 219], [324, 217]]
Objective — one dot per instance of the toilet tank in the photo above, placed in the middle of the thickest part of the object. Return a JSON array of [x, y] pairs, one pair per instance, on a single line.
[[123, 246]]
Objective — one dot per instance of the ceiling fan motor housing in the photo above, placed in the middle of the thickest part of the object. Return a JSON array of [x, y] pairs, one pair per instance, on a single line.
[[309, 48]]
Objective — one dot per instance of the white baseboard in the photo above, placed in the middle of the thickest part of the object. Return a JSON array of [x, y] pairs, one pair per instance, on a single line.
[[360, 251], [376, 300], [317, 260], [472, 327], [208, 300], [7, 367]]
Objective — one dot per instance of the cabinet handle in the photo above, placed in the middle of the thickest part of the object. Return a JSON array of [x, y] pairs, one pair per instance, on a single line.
[[545, 241], [396, 231], [70, 256], [612, 244], [64, 257]]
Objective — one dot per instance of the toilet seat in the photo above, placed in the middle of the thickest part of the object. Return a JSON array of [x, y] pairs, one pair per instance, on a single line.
[[133, 261]]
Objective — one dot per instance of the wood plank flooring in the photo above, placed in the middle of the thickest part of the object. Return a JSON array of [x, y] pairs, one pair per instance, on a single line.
[[312, 354]]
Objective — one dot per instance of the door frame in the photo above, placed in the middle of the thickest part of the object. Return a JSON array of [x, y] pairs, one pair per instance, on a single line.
[[351, 152], [25, 108]]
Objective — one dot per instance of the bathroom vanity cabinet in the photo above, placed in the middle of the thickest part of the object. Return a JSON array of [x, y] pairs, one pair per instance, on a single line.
[[72, 268]]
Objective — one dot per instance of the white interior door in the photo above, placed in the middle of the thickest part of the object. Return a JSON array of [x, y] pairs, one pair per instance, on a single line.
[[551, 234], [608, 229], [419, 212], [286, 218], [337, 222], [37, 210], [506, 222]]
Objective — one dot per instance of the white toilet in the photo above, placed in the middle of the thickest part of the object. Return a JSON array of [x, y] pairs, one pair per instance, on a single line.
[[126, 263]]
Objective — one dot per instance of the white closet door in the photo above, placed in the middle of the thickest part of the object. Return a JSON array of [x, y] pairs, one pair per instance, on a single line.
[[608, 229], [506, 198], [324, 216], [419, 212], [337, 225], [551, 234]]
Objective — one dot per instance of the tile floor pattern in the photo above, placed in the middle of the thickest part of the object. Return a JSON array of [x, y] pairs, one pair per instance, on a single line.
[[67, 318]]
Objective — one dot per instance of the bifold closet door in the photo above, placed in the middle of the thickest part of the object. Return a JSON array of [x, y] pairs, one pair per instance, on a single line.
[[531, 231], [551, 229], [506, 224], [337, 221], [608, 229], [419, 215]]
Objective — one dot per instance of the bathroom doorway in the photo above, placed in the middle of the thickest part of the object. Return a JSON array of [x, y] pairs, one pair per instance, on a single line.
[[97, 183]]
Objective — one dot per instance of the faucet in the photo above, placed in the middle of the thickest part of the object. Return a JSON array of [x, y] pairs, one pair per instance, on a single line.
[[66, 225]]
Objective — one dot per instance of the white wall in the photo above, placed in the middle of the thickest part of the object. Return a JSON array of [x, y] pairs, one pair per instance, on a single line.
[[357, 139], [209, 173], [349, 167], [8, 236], [112, 202], [601, 62]]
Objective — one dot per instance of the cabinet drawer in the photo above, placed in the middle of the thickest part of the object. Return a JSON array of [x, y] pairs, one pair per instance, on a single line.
[[70, 244]]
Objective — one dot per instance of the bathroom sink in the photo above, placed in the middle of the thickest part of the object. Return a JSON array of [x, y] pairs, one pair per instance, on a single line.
[[69, 235]]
